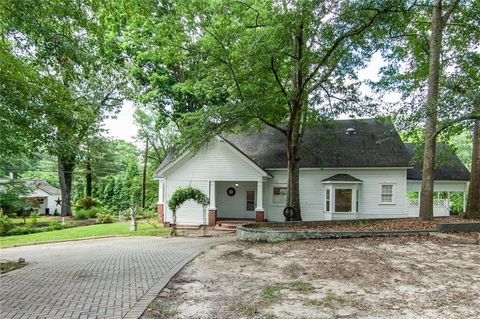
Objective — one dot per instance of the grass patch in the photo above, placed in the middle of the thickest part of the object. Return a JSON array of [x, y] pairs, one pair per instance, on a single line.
[[11, 265], [119, 229], [271, 292], [328, 301], [302, 287], [245, 309]]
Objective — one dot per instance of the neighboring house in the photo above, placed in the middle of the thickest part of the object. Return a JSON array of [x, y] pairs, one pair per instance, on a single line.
[[349, 169], [44, 197]]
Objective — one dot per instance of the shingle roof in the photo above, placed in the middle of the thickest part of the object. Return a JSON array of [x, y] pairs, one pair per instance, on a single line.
[[448, 166], [342, 178], [375, 143], [44, 186]]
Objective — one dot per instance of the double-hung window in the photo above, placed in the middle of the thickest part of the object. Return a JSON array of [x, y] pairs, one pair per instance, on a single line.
[[387, 194], [327, 199]]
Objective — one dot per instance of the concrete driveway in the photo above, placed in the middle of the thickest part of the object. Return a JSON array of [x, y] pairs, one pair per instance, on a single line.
[[102, 278]]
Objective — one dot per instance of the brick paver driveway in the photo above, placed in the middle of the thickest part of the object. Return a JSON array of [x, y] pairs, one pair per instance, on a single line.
[[103, 278]]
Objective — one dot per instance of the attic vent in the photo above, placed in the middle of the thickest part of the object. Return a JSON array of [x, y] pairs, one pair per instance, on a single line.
[[350, 131]]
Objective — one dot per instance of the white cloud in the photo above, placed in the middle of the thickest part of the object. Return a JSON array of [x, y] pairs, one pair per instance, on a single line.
[[123, 125]]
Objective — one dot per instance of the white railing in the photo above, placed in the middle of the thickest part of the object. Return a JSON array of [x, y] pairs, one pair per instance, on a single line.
[[438, 203], [413, 203]]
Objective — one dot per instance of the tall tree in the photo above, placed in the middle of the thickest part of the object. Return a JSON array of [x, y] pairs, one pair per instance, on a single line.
[[435, 65], [64, 42], [439, 21], [246, 64], [473, 203]]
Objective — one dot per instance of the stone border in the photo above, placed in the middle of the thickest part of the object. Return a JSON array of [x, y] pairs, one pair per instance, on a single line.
[[251, 232], [459, 227]]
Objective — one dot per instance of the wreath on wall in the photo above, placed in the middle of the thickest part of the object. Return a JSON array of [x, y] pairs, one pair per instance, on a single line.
[[231, 191]]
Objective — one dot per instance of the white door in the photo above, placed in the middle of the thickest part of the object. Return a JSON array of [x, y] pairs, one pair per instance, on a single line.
[[250, 203]]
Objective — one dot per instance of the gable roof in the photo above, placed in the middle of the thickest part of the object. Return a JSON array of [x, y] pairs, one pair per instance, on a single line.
[[375, 143], [44, 186], [342, 178], [448, 165], [36, 183]]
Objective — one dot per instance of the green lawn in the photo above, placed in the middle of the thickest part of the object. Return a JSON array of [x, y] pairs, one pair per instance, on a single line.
[[122, 229]]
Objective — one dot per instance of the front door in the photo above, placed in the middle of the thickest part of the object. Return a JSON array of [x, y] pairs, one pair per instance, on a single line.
[[250, 204]]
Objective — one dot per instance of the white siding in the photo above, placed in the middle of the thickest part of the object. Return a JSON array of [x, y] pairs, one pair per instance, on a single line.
[[215, 161], [312, 193], [439, 186], [190, 213]]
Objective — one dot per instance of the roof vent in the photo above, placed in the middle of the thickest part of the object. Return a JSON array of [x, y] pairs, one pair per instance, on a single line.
[[351, 131]]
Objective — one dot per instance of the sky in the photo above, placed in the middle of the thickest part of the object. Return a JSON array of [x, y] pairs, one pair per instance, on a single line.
[[123, 126]]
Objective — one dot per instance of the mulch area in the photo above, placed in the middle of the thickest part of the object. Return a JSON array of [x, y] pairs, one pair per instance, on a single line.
[[379, 225]]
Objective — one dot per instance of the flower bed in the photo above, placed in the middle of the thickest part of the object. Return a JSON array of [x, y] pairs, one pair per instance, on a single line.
[[350, 229]]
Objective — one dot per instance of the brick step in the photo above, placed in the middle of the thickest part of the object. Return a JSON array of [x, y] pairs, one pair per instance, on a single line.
[[225, 228], [188, 227], [227, 225]]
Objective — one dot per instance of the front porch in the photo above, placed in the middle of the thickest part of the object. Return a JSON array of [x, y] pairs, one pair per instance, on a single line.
[[236, 202]]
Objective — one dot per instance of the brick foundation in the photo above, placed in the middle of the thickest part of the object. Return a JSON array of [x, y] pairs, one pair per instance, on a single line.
[[212, 217], [160, 211], [259, 216]]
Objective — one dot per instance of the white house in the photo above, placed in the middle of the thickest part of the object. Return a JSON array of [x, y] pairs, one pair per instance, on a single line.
[[349, 169], [43, 197]]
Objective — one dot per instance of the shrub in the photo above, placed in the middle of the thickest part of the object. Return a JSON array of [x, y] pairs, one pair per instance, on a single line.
[[87, 203], [105, 217], [81, 214], [56, 213], [87, 213], [146, 213], [23, 230], [56, 225], [6, 224]]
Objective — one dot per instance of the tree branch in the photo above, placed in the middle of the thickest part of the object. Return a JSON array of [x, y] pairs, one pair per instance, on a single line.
[[279, 82], [284, 131], [449, 12], [447, 124]]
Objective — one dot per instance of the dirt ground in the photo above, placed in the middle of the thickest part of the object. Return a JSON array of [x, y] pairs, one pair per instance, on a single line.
[[409, 277]]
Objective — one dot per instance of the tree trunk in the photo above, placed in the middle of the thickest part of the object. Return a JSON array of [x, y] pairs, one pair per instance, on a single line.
[[293, 186], [293, 158], [144, 181], [89, 179], [426, 196], [66, 165], [473, 202]]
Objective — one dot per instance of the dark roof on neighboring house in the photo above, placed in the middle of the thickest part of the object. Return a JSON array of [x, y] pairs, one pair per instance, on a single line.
[[36, 183], [448, 165], [374, 143], [342, 178], [44, 186]]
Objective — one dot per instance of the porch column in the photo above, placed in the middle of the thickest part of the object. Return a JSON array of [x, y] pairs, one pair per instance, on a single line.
[[260, 211], [161, 201], [212, 209]]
